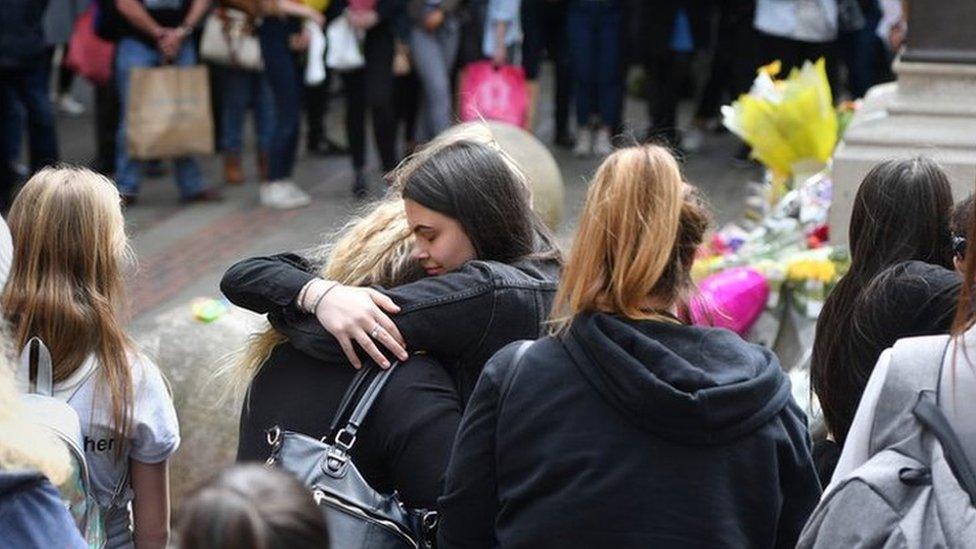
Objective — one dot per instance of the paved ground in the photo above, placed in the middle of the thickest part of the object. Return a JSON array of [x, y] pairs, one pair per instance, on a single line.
[[183, 250]]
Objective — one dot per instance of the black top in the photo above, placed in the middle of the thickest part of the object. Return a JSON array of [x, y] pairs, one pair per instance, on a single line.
[[403, 445], [631, 434], [167, 13], [22, 41], [461, 318]]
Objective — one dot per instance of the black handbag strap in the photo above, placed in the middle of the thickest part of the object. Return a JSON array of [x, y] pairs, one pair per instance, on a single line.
[[346, 437], [345, 405], [928, 414]]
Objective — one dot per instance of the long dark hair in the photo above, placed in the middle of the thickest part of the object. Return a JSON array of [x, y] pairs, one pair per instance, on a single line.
[[251, 507], [472, 183], [900, 213]]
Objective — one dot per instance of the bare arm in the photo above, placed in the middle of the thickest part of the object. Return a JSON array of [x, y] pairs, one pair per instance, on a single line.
[[284, 8], [197, 10], [135, 13], [150, 508]]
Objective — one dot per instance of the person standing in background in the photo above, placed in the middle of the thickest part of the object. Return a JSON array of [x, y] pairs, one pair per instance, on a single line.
[[371, 87], [59, 23], [23, 81], [503, 31], [244, 90], [595, 28], [674, 30], [434, 37], [864, 52], [544, 26], [733, 67], [153, 33], [794, 31], [282, 37]]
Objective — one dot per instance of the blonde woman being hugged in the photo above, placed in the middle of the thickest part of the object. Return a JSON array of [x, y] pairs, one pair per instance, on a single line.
[[66, 287], [629, 427]]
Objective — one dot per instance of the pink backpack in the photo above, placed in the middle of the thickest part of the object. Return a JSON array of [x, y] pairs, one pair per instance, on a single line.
[[494, 93]]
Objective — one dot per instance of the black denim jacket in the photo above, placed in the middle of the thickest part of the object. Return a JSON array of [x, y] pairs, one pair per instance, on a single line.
[[462, 317]]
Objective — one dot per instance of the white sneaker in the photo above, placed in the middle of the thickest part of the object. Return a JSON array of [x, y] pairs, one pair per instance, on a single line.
[[283, 195], [70, 106], [602, 146], [692, 139], [584, 143]]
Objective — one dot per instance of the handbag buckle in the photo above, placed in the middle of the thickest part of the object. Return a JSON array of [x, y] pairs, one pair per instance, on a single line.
[[335, 460], [347, 444]]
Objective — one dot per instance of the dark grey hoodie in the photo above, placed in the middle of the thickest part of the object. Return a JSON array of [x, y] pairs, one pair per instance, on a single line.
[[631, 434]]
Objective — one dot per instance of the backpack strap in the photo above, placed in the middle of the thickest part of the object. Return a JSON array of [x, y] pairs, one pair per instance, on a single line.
[[42, 382], [927, 412], [915, 368]]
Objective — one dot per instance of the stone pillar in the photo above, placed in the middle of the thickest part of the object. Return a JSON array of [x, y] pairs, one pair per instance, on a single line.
[[930, 110]]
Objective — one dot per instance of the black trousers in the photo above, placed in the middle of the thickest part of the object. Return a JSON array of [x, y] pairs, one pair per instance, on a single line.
[[407, 105], [106, 128], [667, 73], [544, 29], [371, 87], [734, 61], [792, 53], [317, 108]]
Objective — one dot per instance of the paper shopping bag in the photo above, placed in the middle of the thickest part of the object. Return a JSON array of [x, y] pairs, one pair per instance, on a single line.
[[168, 113]]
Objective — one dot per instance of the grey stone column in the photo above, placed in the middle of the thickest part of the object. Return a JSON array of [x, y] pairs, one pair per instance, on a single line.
[[930, 110]]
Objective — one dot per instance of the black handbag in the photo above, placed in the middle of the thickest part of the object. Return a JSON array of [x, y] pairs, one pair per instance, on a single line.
[[357, 516]]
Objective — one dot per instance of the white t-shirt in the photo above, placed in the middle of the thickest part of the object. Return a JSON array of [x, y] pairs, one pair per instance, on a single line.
[[154, 436]]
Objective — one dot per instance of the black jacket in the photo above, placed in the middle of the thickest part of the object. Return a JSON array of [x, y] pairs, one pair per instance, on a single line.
[[403, 445], [630, 434], [461, 318], [22, 42]]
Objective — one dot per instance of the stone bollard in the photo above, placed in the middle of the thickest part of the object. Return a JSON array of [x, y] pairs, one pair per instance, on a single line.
[[538, 164], [188, 353]]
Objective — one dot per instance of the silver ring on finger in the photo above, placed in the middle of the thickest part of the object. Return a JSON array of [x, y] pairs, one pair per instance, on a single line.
[[376, 331]]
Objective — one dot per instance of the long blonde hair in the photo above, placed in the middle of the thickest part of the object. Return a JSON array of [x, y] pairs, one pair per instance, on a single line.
[[636, 239], [66, 280], [371, 249]]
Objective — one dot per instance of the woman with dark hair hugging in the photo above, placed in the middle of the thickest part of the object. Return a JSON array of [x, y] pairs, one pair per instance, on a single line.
[[900, 284], [491, 276]]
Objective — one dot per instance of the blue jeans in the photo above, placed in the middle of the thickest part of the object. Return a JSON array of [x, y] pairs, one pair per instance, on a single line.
[[131, 54], [594, 38], [285, 78], [241, 90], [434, 54], [25, 98]]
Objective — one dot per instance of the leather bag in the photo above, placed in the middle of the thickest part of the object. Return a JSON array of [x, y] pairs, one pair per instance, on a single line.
[[229, 39], [357, 516], [251, 7]]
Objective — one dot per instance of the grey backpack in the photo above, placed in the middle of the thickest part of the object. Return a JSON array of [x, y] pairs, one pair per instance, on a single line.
[[917, 489]]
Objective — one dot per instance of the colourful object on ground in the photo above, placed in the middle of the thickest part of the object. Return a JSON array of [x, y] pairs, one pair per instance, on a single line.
[[731, 299], [208, 310]]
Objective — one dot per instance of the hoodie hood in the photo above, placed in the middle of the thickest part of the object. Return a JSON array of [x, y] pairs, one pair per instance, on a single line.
[[687, 384], [17, 480]]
